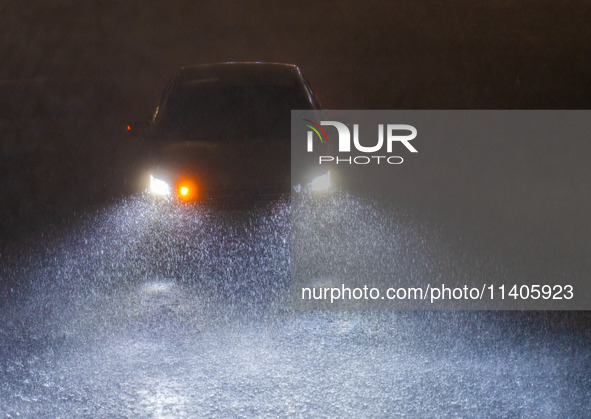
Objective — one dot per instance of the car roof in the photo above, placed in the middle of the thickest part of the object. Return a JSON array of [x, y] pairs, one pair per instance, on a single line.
[[241, 72]]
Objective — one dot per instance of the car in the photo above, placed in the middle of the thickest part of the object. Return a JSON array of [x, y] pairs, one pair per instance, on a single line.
[[221, 132]]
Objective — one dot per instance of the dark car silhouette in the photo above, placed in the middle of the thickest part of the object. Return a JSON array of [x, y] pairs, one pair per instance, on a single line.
[[222, 131]]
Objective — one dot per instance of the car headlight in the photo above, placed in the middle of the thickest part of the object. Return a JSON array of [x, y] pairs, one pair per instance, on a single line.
[[321, 183], [159, 186], [188, 190]]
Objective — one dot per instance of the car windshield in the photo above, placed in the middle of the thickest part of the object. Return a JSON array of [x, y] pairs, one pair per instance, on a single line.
[[214, 111]]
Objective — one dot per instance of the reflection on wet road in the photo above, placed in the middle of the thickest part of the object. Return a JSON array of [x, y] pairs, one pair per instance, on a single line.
[[148, 309]]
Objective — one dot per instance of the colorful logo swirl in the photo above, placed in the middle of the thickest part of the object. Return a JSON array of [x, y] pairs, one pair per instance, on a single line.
[[318, 130]]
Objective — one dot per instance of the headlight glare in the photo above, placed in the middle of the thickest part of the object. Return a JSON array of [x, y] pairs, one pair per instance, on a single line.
[[321, 183], [159, 186]]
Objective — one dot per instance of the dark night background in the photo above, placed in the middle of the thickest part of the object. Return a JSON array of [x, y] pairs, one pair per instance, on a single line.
[[74, 74]]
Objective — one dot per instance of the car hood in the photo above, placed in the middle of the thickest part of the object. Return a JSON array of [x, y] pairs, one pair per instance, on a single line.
[[226, 167]]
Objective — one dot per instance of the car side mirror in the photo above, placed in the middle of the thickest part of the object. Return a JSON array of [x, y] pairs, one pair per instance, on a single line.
[[139, 129]]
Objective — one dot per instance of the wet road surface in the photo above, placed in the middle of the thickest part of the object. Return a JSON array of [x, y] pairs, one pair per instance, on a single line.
[[150, 309]]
